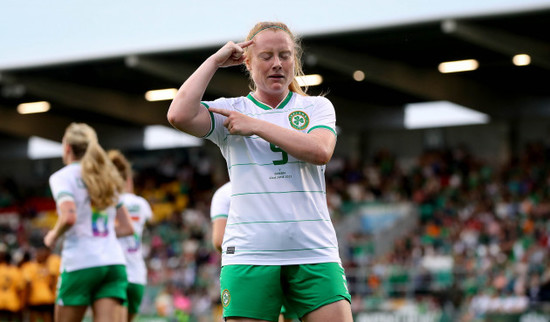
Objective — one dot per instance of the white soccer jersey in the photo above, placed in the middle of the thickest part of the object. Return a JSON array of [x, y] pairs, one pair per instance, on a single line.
[[279, 213], [140, 212], [91, 241], [221, 201]]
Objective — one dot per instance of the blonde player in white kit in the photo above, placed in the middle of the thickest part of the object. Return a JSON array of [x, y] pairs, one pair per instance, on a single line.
[[140, 212], [280, 246], [219, 210], [86, 193]]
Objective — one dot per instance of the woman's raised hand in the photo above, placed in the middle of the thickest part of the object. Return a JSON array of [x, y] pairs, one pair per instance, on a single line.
[[231, 54]]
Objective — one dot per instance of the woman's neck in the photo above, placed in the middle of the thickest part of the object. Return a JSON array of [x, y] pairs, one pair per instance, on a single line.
[[270, 100], [129, 185]]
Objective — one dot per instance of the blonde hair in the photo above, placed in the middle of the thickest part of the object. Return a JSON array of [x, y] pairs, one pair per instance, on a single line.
[[102, 179], [121, 163], [261, 26]]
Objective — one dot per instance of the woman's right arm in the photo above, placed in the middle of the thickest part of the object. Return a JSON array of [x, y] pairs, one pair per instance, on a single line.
[[218, 229], [66, 219], [186, 113]]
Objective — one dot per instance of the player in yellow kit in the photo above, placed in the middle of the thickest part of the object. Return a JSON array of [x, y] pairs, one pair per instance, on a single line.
[[12, 286], [41, 276]]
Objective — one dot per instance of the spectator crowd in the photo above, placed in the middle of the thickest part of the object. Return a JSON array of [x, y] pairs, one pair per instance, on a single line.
[[487, 222]]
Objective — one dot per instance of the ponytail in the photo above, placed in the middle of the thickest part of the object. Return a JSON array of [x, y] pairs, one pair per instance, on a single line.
[[101, 177]]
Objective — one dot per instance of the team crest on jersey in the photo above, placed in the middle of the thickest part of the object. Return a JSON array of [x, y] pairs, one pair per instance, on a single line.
[[298, 120], [226, 298]]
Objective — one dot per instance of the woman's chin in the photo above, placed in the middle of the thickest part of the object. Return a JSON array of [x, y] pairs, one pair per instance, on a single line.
[[278, 87]]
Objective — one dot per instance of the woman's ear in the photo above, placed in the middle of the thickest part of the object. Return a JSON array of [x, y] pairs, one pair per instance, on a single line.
[[247, 63], [68, 149], [66, 153]]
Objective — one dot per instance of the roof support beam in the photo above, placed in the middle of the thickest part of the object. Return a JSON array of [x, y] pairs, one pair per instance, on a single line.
[[500, 41], [44, 125], [113, 104], [52, 127], [352, 116], [224, 83], [429, 84]]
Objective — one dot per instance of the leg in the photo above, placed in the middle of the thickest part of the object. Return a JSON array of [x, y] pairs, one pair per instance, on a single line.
[[126, 316], [339, 311], [49, 314], [107, 310], [108, 298], [317, 293], [36, 316], [240, 295], [135, 295], [283, 319], [69, 313], [33, 316], [46, 317]]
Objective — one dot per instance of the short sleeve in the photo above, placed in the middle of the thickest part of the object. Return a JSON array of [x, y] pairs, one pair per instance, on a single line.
[[217, 131], [61, 188], [323, 115], [221, 202], [147, 211]]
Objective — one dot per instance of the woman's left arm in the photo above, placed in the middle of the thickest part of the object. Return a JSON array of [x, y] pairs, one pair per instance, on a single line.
[[123, 223], [314, 147]]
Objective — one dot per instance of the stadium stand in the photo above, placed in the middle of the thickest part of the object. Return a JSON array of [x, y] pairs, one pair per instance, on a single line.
[[478, 246]]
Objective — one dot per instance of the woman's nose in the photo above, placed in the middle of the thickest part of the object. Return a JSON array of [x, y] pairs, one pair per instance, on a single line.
[[277, 63]]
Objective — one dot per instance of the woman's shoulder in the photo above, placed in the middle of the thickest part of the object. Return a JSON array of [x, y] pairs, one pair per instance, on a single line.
[[129, 197], [222, 191], [67, 170], [312, 98], [230, 100], [226, 102], [316, 101]]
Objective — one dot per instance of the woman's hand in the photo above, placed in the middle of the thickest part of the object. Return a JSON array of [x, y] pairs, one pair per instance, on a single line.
[[315, 147], [231, 54], [49, 239], [237, 123]]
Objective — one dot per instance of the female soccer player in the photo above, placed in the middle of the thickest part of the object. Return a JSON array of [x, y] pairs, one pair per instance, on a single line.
[[86, 192], [280, 246], [140, 212]]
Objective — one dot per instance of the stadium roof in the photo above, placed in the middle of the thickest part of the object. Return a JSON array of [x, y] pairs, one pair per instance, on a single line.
[[397, 53]]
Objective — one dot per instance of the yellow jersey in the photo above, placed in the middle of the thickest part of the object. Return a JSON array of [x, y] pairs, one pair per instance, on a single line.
[[12, 285]]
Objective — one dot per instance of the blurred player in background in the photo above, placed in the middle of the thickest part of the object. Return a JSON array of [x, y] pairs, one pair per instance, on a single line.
[[12, 287], [219, 210], [140, 212], [276, 141], [41, 275], [86, 193]]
